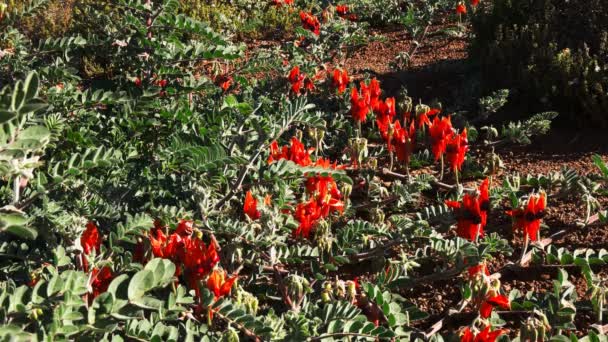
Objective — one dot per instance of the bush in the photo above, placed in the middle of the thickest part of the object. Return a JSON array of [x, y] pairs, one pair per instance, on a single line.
[[553, 51], [248, 18]]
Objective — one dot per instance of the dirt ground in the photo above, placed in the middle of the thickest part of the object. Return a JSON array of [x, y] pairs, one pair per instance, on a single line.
[[439, 71]]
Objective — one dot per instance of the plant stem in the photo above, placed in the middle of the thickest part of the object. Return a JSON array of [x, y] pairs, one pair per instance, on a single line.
[[524, 250], [456, 174], [16, 189], [441, 172]]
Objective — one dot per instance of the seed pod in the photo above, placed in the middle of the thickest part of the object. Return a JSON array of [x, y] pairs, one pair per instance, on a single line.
[[422, 109], [406, 103], [323, 235]]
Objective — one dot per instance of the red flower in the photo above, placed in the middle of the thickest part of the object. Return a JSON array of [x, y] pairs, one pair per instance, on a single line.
[[342, 10], [456, 149], [386, 108], [439, 131], [90, 240], [161, 83], [219, 284], [359, 104], [474, 3], [374, 93], [472, 212], [307, 214], [310, 22], [484, 200], [308, 84], [198, 260], [404, 142], [528, 218], [484, 336], [492, 301], [297, 153], [250, 208], [100, 280], [461, 9], [473, 271], [299, 81], [469, 216], [163, 247], [137, 82], [184, 228], [423, 119], [224, 82], [340, 80], [296, 79]]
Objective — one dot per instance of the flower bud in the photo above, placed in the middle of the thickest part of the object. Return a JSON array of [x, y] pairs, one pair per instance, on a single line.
[[346, 190], [373, 163], [325, 297], [297, 287], [351, 289], [248, 301], [377, 215], [323, 236], [340, 289]]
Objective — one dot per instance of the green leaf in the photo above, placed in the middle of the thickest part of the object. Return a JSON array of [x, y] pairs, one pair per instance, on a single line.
[[599, 162], [6, 116], [31, 86], [141, 282], [16, 224], [162, 269], [32, 106], [22, 232]]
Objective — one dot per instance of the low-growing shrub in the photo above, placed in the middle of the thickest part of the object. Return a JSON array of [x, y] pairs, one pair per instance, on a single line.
[[553, 51]]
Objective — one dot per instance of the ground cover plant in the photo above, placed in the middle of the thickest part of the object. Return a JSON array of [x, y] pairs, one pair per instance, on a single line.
[[166, 174]]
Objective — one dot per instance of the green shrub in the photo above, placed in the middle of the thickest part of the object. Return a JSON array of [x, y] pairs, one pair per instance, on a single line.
[[553, 51], [247, 18]]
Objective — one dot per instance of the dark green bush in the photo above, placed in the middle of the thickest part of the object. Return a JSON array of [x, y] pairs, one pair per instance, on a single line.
[[554, 52]]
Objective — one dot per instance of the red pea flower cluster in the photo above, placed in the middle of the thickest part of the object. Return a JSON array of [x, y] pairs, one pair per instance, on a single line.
[[324, 197], [527, 219], [344, 12], [484, 335], [365, 100], [310, 22], [340, 80], [472, 212], [461, 8], [99, 279], [193, 258], [445, 142], [299, 81]]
